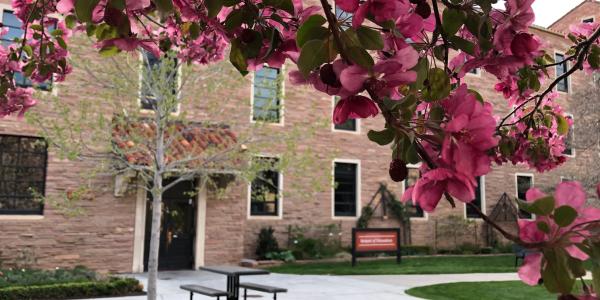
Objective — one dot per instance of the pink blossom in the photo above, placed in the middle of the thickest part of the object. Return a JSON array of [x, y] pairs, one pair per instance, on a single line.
[[17, 100], [354, 107], [430, 188]]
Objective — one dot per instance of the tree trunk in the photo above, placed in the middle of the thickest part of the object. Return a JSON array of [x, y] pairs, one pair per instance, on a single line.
[[155, 236]]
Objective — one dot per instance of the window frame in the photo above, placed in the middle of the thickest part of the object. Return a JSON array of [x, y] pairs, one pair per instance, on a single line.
[[279, 202], [358, 199], [568, 79], [483, 201], [51, 89], [571, 131], [531, 175], [425, 216], [21, 213], [281, 121], [356, 121], [146, 111], [584, 19]]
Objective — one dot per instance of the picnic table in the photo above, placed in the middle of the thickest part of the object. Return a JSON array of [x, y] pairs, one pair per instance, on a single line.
[[233, 274]]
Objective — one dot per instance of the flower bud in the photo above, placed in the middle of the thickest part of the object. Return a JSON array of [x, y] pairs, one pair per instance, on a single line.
[[328, 76], [398, 170], [423, 9]]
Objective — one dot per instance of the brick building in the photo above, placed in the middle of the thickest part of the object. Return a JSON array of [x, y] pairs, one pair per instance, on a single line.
[[111, 235]]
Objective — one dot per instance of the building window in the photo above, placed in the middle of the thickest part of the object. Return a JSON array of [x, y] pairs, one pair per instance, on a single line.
[[345, 189], [15, 31], [267, 95], [524, 183], [569, 140], [414, 210], [479, 200], [588, 20], [563, 85], [349, 125], [159, 81], [22, 174], [265, 188]]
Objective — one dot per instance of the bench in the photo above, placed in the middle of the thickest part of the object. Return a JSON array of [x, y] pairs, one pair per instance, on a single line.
[[520, 253], [206, 291], [261, 288]]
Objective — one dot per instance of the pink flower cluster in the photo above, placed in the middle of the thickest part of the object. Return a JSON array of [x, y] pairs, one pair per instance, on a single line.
[[556, 235], [543, 147], [583, 31], [468, 136]]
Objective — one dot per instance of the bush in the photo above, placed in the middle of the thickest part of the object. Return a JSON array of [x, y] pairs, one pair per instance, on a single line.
[[29, 277], [266, 243], [468, 248], [416, 250], [286, 256], [112, 287]]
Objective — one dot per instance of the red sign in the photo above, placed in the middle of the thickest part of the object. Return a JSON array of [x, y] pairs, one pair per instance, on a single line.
[[373, 240]]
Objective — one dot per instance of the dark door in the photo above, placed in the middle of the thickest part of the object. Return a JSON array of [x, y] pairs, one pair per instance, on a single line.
[[178, 224]]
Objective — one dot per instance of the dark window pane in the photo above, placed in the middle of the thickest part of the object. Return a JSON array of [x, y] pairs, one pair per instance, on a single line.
[[345, 195], [414, 210], [266, 102], [524, 183], [343, 16], [563, 85], [150, 87], [22, 174], [588, 20], [264, 189], [471, 212]]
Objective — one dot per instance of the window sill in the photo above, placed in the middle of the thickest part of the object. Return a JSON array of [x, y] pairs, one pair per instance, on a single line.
[[347, 218], [21, 217], [264, 217]]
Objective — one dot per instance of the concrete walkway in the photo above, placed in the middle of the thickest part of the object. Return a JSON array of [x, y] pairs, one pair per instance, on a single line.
[[313, 287]]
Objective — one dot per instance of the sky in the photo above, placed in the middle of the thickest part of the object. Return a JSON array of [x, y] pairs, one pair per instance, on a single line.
[[548, 11]]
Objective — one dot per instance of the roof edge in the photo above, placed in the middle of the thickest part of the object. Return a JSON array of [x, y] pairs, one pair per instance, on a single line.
[[572, 10]]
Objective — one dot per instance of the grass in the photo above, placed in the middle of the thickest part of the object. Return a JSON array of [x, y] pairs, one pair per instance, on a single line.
[[505, 290], [412, 265]]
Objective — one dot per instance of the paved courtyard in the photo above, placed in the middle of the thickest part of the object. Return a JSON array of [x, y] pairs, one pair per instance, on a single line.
[[314, 287]]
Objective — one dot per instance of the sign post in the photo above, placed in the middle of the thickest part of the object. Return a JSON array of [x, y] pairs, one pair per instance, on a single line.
[[375, 240]]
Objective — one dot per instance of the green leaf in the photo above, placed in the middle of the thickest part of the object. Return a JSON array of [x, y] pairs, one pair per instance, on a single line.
[[421, 69], [594, 57], [285, 5], [543, 226], [360, 57], [596, 277], [369, 38], [564, 215], [438, 85], [109, 51], [229, 3], [311, 29], [117, 4], [213, 7], [543, 206], [61, 43], [312, 55], [71, 21], [164, 6], [383, 137], [452, 20], [36, 27], [462, 44], [556, 274], [84, 8], [236, 57], [28, 50], [436, 113], [576, 267], [234, 19], [194, 30], [477, 95], [562, 125]]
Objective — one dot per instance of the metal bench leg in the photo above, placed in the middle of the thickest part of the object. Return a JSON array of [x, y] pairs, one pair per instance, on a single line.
[[274, 296], [245, 294]]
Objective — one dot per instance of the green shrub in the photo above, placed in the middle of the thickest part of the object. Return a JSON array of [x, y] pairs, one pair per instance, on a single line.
[[112, 287], [286, 256], [266, 243], [416, 250], [468, 248], [29, 277]]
